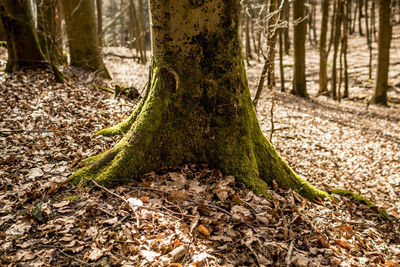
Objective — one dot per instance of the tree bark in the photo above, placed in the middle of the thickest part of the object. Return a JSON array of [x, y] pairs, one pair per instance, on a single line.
[[299, 37], [24, 50], [347, 25], [384, 39], [84, 48], [142, 32], [122, 24], [47, 30], [338, 23], [247, 35], [360, 7], [369, 40], [197, 114], [323, 56], [99, 7], [286, 8]]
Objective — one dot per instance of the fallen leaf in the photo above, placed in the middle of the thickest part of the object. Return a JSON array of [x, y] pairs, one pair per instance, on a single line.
[[203, 230]]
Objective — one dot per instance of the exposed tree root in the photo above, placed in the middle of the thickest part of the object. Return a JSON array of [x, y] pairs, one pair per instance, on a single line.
[[356, 197]]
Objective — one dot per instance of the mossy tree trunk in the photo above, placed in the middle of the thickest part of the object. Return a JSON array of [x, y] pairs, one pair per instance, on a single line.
[[24, 51], [384, 39], [200, 113], [299, 42], [84, 48]]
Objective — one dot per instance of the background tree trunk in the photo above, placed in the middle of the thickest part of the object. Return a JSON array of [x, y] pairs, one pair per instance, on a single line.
[[299, 38], [99, 7], [338, 23], [201, 114], [47, 30], [384, 39], [83, 40], [24, 50], [323, 56], [286, 7]]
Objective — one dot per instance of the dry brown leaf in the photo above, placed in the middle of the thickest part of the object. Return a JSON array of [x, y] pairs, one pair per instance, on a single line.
[[203, 230]]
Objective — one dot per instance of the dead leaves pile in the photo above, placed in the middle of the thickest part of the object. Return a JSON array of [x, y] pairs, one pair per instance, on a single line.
[[193, 216], [178, 216]]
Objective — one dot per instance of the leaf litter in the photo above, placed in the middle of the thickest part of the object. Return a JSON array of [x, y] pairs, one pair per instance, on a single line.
[[176, 216]]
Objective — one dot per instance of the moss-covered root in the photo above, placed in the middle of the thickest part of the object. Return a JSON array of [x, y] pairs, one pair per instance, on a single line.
[[272, 167], [359, 198]]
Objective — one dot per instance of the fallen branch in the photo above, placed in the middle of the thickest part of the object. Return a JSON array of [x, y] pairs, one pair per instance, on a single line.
[[110, 54]]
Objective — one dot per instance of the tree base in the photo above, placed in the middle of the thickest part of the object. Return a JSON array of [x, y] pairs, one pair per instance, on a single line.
[[165, 131]]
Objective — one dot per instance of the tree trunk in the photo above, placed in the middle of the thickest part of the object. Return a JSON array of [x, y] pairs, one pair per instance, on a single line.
[[347, 24], [122, 24], [286, 7], [113, 27], [299, 37], [99, 7], [247, 35], [142, 32], [201, 114], [338, 23], [332, 33], [369, 40], [360, 6], [384, 39], [373, 28], [24, 50], [47, 30], [281, 68], [323, 77], [83, 40]]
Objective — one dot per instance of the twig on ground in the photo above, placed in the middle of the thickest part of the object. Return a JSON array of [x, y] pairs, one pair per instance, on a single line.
[[75, 259], [289, 254], [122, 198]]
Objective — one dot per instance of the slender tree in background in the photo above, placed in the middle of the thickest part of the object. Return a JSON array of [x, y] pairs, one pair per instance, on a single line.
[[24, 50], [336, 41], [113, 27], [286, 7], [48, 31], [360, 15], [299, 40], [142, 32], [323, 77], [384, 39], [346, 27], [368, 34], [198, 114], [122, 24], [83, 40], [99, 7], [332, 33], [247, 34], [140, 48], [373, 28], [268, 70]]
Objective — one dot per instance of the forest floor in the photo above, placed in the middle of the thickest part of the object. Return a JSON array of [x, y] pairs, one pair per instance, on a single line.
[[192, 215]]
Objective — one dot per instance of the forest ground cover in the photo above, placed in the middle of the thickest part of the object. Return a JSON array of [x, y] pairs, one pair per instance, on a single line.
[[47, 128]]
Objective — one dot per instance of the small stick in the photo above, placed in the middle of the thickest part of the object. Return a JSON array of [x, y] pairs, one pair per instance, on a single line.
[[289, 254], [122, 198], [75, 259]]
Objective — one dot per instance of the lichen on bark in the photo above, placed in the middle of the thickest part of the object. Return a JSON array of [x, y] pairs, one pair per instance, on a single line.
[[198, 107]]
